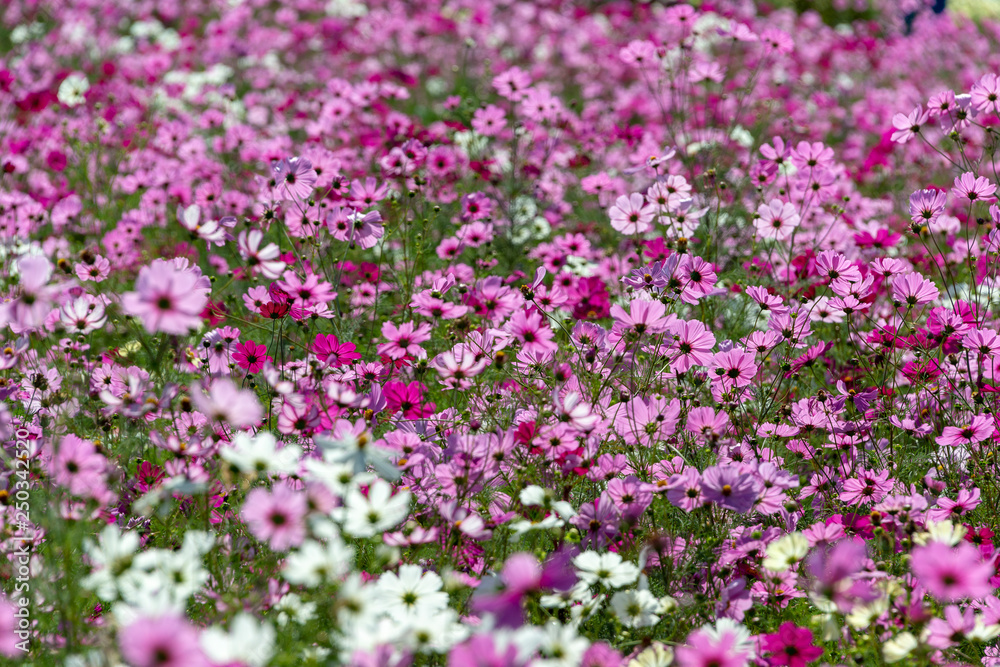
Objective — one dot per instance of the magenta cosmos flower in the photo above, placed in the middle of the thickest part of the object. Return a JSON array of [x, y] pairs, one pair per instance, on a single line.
[[250, 356], [169, 297], [978, 429], [791, 646], [952, 574], [168, 641]]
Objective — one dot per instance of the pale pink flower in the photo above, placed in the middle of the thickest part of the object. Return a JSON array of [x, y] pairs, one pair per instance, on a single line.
[[277, 516], [169, 297]]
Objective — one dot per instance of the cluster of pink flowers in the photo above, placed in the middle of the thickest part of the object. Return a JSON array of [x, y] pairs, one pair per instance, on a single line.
[[531, 334]]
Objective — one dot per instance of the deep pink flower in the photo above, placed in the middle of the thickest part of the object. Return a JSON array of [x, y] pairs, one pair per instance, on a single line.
[[791, 646], [407, 397], [250, 356], [329, 349]]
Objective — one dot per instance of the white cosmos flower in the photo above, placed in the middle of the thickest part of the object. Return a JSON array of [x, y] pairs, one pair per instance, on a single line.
[[315, 562], [607, 569], [899, 647], [411, 593], [657, 655], [435, 633], [72, 90], [248, 642], [260, 453], [111, 556], [559, 645], [636, 608], [785, 552], [354, 601], [380, 511], [291, 607]]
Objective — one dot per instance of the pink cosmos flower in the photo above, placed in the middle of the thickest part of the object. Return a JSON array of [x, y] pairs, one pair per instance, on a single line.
[[404, 339], [706, 649], [697, 278], [986, 93], [730, 488], [407, 397], [834, 266], [528, 328], [77, 465], [952, 573], [264, 261], [979, 428], [913, 289], [776, 220], [791, 646], [643, 317], [226, 404], [97, 269], [522, 574], [926, 206], [945, 633], [332, 351], [169, 297], [733, 369], [953, 510], [907, 126], [489, 121], [868, 487], [35, 300], [295, 177], [250, 356], [167, 641], [646, 422], [276, 516], [692, 345], [632, 214], [684, 490], [706, 423], [458, 366], [974, 188]]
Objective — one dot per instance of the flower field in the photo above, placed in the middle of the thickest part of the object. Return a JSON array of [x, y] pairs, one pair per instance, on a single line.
[[499, 333]]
